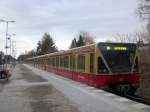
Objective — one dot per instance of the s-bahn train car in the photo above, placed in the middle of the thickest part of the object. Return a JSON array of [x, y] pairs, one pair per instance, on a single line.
[[101, 65]]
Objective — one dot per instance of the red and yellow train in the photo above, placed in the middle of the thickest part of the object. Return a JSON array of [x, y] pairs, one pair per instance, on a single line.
[[99, 65]]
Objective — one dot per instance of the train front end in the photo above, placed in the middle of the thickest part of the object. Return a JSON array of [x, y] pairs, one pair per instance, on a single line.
[[118, 65]]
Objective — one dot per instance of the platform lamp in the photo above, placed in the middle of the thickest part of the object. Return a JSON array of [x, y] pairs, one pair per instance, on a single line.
[[10, 40], [6, 47]]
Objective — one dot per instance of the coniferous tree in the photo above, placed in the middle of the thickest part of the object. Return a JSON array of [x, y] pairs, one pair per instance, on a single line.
[[48, 45], [84, 38], [73, 43], [80, 42], [39, 48]]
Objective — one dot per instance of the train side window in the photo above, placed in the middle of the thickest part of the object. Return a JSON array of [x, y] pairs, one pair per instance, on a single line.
[[57, 61], [53, 62], [61, 61], [40, 61], [91, 62], [60, 64], [50, 61], [46, 61], [43, 61], [81, 63], [66, 61], [101, 66], [71, 62]]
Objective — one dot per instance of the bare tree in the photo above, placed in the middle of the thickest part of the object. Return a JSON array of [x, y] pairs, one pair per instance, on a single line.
[[137, 37], [88, 38], [144, 13], [144, 9], [82, 38], [144, 50]]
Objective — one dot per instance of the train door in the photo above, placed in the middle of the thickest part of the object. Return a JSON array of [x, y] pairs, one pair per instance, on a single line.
[[91, 63]]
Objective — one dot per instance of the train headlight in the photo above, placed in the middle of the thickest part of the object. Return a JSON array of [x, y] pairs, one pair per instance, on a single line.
[[108, 48]]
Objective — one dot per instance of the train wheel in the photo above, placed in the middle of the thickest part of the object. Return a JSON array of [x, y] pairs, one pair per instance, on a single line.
[[132, 90]]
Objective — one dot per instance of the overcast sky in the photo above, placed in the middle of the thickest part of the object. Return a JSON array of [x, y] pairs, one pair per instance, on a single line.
[[63, 19]]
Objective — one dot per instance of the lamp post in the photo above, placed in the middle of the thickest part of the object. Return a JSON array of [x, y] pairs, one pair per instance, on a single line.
[[6, 47], [10, 39]]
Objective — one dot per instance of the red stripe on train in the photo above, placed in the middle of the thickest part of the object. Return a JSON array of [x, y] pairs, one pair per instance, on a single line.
[[97, 81]]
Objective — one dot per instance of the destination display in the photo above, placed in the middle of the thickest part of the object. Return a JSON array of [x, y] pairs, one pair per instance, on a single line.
[[116, 48]]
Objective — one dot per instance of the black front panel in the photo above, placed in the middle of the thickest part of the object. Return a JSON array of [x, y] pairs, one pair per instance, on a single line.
[[118, 56]]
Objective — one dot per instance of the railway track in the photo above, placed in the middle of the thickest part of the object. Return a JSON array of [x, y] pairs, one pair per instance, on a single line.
[[137, 98], [131, 97]]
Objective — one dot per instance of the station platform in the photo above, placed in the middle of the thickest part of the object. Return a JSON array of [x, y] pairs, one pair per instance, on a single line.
[[90, 99]]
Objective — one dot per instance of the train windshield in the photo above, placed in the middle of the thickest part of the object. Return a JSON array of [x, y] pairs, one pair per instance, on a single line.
[[119, 57]]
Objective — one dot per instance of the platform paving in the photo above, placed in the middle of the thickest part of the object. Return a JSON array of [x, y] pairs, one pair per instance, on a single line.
[[34, 90], [89, 99], [28, 92]]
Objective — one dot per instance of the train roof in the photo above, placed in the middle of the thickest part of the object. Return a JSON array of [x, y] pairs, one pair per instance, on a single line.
[[77, 48], [64, 51], [116, 43]]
